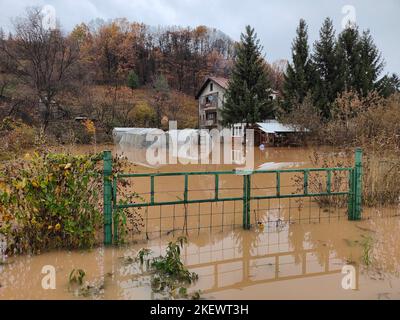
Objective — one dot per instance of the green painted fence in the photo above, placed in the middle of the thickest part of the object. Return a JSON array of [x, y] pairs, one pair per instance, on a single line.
[[111, 206]]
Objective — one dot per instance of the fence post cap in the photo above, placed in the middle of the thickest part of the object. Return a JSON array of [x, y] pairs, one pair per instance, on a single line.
[[107, 153], [244, 172]]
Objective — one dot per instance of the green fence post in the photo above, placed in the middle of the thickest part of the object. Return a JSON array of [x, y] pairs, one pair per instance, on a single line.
[[107, 197], [216, 187], [355, 188], [329, 182], [115, 209], [350, 203], [305, 188]]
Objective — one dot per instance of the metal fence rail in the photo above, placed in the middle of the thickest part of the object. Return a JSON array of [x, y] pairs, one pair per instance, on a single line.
[[113, 205]]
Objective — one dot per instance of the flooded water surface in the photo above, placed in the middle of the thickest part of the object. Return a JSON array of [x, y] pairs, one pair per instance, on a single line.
[[294, 250]]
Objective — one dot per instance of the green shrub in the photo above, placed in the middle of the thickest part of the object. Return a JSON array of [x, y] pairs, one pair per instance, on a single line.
[[50, 201]]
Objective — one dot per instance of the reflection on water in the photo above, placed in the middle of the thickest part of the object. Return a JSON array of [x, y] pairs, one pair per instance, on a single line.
[[293, 261]]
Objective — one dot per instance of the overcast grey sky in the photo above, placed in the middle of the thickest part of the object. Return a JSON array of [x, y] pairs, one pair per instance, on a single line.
[[274, 20]]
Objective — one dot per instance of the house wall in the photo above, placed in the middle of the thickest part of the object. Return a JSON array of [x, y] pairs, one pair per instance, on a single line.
[[220, 92]]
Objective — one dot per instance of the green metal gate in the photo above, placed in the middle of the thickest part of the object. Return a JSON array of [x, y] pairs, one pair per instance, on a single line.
[[111, 205]]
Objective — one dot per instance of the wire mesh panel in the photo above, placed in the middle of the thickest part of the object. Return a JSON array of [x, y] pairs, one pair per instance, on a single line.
[[170, 202], [192, 202]]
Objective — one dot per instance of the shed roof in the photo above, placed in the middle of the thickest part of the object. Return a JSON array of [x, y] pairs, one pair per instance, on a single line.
[[273, 126]]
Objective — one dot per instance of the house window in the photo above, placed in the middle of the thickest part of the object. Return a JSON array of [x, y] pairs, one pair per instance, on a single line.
[[211, 116], [211, 86]]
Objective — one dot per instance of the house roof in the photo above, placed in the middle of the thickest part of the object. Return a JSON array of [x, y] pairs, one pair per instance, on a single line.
[[223, 82]]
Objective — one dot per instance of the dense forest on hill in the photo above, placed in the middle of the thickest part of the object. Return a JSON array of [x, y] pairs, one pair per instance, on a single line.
[[48, 76], [109, 51]]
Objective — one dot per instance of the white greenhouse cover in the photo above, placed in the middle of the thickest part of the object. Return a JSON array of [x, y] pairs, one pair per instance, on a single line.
[[129, 135], [184, 135]]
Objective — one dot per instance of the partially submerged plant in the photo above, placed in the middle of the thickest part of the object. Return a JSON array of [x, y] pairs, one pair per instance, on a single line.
[[50, 201], [76, 276], [317, 182], [142, 256], [367, 246], [82, 288], [169, 276]]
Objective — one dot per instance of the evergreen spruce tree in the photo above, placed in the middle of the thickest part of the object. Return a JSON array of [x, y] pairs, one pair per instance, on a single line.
[[371, 64], [299, 73], [388, 85], [324, 63], [359, 60], [348, 59], [133, 80], [247, 97]]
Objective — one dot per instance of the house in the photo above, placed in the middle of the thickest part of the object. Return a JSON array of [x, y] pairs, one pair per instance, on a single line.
[[211, 97]]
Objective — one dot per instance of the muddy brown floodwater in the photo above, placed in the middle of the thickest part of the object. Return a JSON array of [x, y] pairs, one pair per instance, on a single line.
[[295, 254]]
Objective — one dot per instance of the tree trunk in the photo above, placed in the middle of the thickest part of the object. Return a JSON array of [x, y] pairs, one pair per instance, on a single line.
[[47, 114]]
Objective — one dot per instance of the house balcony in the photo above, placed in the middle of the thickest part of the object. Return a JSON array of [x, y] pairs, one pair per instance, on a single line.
[[209, 102], [208, 123], [209, 106]]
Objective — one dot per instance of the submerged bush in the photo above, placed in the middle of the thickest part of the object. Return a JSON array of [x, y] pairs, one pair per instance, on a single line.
[[50, 201], [169, 276], [372, 123], [381, 180], [317, 182]]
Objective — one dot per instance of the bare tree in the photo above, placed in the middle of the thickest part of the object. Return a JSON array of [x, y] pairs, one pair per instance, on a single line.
[[43, 59]]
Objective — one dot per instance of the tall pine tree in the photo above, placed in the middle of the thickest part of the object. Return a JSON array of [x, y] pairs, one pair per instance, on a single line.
[[324, 62], [388, 85], [359, 60], [371, 66], [348, 59], [247, 97], [299, 73]]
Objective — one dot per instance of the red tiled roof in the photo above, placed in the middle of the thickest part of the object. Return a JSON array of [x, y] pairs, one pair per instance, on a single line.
[[223, 82]]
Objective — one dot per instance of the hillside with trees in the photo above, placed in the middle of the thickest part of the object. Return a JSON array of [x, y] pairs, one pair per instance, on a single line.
[[116, 73], [121, 73]]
